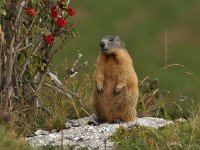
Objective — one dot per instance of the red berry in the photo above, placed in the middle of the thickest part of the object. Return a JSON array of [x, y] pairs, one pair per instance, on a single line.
[[30, 11], [54, 8], [61, 22], [48, 39], [71, 11], [54, 14]]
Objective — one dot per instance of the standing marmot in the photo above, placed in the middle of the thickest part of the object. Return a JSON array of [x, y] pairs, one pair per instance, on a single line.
[[116, 84]]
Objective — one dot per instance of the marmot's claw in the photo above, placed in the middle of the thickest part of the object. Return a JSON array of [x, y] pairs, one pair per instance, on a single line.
[[117, 121], [116, 91], [99, 89]]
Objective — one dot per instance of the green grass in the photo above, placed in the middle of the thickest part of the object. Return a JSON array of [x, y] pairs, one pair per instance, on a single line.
[[183, 135], [9, 140]]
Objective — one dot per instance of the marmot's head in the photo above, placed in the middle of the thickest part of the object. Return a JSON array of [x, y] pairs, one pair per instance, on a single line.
[[110, 43]]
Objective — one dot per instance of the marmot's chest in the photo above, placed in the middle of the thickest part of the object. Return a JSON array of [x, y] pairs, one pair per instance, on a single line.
[[111, 69]]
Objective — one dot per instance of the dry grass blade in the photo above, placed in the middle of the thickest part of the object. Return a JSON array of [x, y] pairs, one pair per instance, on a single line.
[[173, 65]]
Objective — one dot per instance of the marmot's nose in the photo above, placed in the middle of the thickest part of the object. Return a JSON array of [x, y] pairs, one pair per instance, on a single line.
[[102, 44]]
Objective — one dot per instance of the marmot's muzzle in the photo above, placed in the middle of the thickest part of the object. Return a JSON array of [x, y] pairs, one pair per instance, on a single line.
[[102, 45]]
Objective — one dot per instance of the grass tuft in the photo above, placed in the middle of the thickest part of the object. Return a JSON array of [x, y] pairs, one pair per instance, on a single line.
[[10, 141], [183, 135]]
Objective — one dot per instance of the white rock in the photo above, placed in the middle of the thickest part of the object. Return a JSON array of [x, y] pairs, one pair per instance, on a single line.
[[83, 135], [152, 122]]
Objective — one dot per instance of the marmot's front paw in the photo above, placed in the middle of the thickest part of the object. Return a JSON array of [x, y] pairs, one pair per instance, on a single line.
[[118, 121], [117, 90], [100, 89]]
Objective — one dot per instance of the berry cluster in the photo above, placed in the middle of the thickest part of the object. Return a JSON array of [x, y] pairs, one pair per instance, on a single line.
[[55, 13], [30, 11]]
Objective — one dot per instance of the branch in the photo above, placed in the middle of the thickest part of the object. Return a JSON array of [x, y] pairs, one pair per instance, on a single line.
[[28, 31], [29, 45], [81, 65], [59, 90], [66, 40], [68, 3], [55, 79], [35, 94], [2, 41], [73, 70], [60, 86], [19, 13], [2, 35]]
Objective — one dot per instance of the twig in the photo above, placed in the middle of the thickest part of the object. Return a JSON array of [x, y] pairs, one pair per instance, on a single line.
[[76, 109], [81, 65], [35, 95], [59, 90], [60, 86], [68, 2], [29, 45], [172, 65], [73, 70], [40, 83], [78, 57], [19, 13], [166, 47], [85, 111], [144, 79], [29, 29], [55, 79], [27, 62], [66, 40], [23, 69], [31, 88]]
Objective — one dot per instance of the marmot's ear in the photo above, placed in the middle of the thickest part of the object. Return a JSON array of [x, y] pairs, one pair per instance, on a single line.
[[122, 44], [117, 38]]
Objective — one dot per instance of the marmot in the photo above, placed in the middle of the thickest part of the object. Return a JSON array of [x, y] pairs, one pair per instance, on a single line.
[[115, 93]]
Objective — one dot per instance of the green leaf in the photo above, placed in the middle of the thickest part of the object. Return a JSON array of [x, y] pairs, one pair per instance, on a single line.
[[46, 32], [2, 3], [34, 2], [2, 9], [3, 12], [74, 33]]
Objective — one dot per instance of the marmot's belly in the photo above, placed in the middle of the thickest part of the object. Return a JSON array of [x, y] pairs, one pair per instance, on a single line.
[[110, 107], [108, 86]]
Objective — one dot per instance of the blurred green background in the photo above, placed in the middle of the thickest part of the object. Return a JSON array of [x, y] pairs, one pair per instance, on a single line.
[[141, 25]]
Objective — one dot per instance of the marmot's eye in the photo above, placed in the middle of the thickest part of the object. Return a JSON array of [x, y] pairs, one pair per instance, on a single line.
[[111, 39]]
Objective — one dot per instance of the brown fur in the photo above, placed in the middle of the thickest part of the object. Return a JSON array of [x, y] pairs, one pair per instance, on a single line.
[[115, 72]]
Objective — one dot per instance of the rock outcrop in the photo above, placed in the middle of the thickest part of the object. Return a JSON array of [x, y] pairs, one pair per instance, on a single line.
[[84, 132]]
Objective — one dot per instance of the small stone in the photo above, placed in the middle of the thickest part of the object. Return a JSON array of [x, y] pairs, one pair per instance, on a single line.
[[181, 120], [41, 132], [76, 138], [68, 125]]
